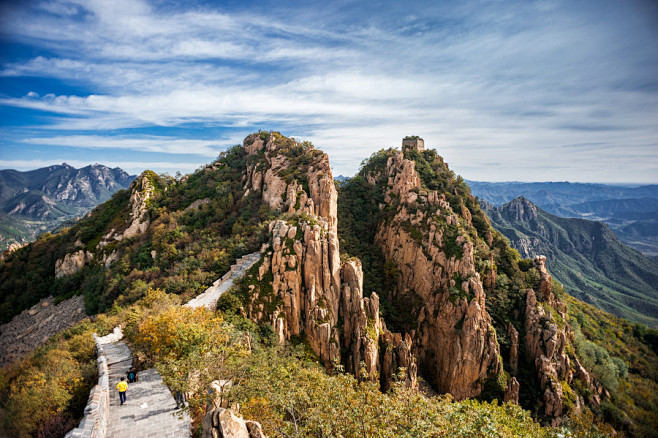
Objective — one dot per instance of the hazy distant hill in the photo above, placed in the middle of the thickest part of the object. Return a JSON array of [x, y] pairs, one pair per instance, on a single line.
[[631, 212], [584, 255], [39, 200]]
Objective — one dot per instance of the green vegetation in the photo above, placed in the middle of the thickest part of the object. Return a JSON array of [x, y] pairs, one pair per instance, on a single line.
[[623, 356], [287, 391], [183, 251], [45, 393], [587, 258]]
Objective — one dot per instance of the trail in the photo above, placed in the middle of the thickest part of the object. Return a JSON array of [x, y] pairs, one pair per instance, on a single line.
[[150, 409]]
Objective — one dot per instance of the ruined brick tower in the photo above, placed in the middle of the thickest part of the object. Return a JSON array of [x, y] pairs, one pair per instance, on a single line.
[[413, 142]]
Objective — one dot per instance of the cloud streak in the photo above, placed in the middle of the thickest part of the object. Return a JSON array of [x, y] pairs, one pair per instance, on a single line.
[[482, 82], [149, 144]]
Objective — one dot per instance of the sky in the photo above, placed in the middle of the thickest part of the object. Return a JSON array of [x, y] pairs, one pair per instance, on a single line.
[[508, 90]]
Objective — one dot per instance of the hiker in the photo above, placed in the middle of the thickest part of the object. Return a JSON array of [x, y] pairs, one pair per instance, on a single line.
[[132, 375], [122, 386], [179, 396]]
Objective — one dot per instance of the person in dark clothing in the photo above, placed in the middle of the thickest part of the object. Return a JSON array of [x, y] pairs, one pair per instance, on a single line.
[[132, 375], [179, 396]]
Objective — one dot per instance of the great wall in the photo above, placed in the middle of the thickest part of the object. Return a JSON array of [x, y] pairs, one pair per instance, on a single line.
[[150, 409]]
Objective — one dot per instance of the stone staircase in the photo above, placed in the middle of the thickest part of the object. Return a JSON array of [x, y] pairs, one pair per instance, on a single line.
[[150, 410], [209, 298]]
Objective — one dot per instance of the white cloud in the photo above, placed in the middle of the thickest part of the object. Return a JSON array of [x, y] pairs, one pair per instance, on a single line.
[[484, 82], [165, 145]]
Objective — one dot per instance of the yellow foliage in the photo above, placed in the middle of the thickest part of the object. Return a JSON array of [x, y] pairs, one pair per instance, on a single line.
[[174, 332], [38, 389], [48, 382]]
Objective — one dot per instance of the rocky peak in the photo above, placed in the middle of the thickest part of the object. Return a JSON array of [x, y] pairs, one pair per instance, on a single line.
[[141, 190], [292, 176], [546, 341], [455, 341], [137, 222], [311, 290], [520, 209], [301, 287]]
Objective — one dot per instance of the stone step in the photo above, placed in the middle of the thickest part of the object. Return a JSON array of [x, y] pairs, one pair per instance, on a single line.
[[210, 296], [150, 409]]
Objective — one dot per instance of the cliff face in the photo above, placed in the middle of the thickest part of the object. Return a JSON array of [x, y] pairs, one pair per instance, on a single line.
[[456, 343], [301, 286], [136, 222], [481, 321], [546, 341], [141, 190]]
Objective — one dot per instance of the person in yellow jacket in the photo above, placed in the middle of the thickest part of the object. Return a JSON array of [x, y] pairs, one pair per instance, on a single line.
[[122, 386]]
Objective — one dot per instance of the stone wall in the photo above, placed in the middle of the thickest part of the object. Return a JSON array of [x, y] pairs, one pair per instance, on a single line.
[[97, 411], [209, 297]]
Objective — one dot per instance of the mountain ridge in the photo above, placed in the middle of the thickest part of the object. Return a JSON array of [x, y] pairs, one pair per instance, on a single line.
[[630, 211], [39, 200], [586, 256], [414, 284]]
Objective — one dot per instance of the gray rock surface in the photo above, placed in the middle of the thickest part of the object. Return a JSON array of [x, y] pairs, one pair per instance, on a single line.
[[34, 326]]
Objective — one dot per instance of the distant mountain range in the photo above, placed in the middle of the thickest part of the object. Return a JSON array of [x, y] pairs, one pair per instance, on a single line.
[[586, 256], [39, 200], [631, 212]]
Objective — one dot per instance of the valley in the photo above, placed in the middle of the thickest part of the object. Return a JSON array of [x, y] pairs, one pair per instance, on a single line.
[[630, 211]]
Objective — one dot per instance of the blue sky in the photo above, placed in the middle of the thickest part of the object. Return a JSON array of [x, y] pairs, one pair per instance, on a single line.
[[504, 90]]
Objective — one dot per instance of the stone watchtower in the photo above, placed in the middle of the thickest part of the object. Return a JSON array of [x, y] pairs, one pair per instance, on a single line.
[[413, 142]]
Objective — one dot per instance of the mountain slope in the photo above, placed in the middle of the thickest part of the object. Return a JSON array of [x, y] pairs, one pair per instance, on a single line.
[[39, 200], [586, 256], [459, 306], [631, 212]]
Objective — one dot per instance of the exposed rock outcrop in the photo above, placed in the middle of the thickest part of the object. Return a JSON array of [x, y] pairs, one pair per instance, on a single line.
[[142, 189], [311, 290], [544, 345], [223, 423], [308, 303], [546, 339], [312, 191], [512, 391], [514, 348], [456, 343], [72, 263], [34, 326], [13, 247]]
